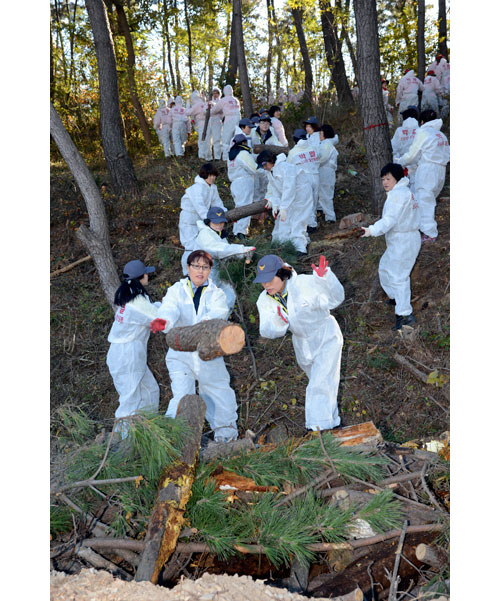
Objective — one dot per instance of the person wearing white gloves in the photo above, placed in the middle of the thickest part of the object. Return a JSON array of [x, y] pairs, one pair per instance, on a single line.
[[306, 159], [241, 172], [214, 131], [190, 301], [279, 130], [162, 128], [399, 222], [180, 124], [262, 135], [407, 91], [127, 354], [287, 195], [403, 139], [212, 237], [195, 202], [197, 112], [430, 151], [229, 108], [431, 93], [302, 304], [328, 156]]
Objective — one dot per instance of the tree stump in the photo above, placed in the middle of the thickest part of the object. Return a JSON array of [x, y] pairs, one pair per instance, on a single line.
[[174, 490], [254, 208], [212, 338]]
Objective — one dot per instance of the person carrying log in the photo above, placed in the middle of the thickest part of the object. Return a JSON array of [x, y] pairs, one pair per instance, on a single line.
[[188, 302], [302, 303]]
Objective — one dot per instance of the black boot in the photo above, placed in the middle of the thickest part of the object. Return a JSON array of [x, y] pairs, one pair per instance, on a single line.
[[390, 302], [404, 320]]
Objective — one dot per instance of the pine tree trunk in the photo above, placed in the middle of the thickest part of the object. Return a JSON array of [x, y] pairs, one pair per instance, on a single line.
[[169, 48], [269, 49], [242, 61], [190, 45], [119, 165], [232, 66], [254, 208], [174, 490], [421, 39], [297, 14], [212, 338], [125, 30], [375, 127], [176, 50], [95, 239], [442, 30]]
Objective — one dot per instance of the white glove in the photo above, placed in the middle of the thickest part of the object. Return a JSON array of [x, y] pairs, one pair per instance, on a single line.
[[275, 212], [283, 214], [269, 204], [366, 231]]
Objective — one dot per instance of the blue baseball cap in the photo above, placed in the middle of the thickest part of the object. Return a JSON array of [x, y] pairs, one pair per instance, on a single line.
[[136, 269], [311, 121], [300, 134], [267, 268], [246, 121], [216, 215]]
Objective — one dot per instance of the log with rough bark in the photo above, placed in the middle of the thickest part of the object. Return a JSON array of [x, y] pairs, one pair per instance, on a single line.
[[212, 338], [432, 556], [258, 148], [174, 490], [226, 449], [253, 208]]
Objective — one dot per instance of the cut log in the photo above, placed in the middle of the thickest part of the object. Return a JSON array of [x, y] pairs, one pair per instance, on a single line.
[[174, 491], [354, 219], [276, 149], [254, 208], [213, 338], [364, 433], [226, 449], [432, 556]]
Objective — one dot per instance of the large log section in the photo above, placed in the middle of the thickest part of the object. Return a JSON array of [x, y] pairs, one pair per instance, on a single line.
[[258, 148], [174, 490], [212, 338], [254, 208]]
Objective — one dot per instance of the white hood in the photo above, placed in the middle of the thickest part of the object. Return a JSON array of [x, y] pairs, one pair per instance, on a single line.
[[179, 101], [435, 124], [410, 122], [228, 90]]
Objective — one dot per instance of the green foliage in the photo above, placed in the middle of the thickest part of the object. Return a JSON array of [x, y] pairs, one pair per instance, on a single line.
[[383, 512], [60, 520], [71, 424], [379, 361]]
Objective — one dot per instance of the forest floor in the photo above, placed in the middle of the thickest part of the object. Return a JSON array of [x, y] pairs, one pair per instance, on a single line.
[[373, 385]]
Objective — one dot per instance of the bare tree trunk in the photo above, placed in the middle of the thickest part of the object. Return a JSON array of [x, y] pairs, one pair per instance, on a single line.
[[242, 61], [345, 36], [279, 60], [52, 78], [297, 14], [125, 30], [269, 49], [169, 49], [442, 30], [421, 39], [232, 66], [95, 238], [222, 76], [190, 45], [119, 165], [375, 127], [176, 50]]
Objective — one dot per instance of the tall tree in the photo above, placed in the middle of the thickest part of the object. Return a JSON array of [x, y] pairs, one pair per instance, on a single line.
[[232, 66], [270, 32], [190, 44], [442, 29], [298, 16], [96, 237], [242, 61], [375, 126], [165, 29], [119, 165], [421, 39], [124, 29]]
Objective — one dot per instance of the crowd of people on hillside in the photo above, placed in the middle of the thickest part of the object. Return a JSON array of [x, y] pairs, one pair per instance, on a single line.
[[296, 184]]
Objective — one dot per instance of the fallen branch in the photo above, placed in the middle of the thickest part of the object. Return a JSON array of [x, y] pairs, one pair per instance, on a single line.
[[70, 266], [90, 482], [395, 579], [321, 479], [98, 561], [420, 375]]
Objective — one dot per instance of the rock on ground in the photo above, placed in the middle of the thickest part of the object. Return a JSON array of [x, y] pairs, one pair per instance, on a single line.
[[97, 585]]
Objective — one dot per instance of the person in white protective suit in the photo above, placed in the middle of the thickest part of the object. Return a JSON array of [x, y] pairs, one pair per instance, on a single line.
[[198, 112], [190, 301], [162, 128], [195, 202], [127, 354], [229, 108], [241, 171], [311, 126], [431, 93], [302, 304], [306, 159], [214, 131], [244, 127], [263, 134], [212, 237], [443, 74], [403, 139], [328, 156], [385, 96], [181, 126], [430, 151], [407, 91], [399, 222], [279, 130], [287, 195]]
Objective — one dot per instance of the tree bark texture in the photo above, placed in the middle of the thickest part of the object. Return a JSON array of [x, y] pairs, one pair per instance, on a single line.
[[242, 61], [119, 165], [421, 39], [432, 556], [297, 14], [124, 29], [269, 48], [213, 338], [375, 127], [254, 208], [169, 48], [258, 148], [190, 45], [232, 65], [442, 29], [95, 239], [174, 491]]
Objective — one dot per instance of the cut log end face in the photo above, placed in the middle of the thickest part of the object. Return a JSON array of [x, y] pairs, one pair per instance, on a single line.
[[231, 339]]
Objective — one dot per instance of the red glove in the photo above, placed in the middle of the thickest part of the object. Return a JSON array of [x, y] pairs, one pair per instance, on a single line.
[[405, 171], [157, 325], [321, 269], [281, 315]]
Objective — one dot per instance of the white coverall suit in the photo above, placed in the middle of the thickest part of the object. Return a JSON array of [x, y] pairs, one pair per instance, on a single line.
[[430, 151], [316, 336], [219, 248], [443, 74], [127, 358], [241, 172], [399, 222], [162, 128], [407, 91], [214, 132], [229, 107], [306, 157], [260, 181], [181, 125], [431, 93], [198, 112], [195, 202], [279, 131], [401, 142], [328, 156], [185, 368], [289, 192]]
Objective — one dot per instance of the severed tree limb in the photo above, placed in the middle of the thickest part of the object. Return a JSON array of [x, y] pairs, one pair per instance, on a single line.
[[427, 490], [432, 556], [395, 580], [91, 482], [405, 499], [258, 148], [254, 208], [70, 266], [98, 561], [212, 338], [420, 375]]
